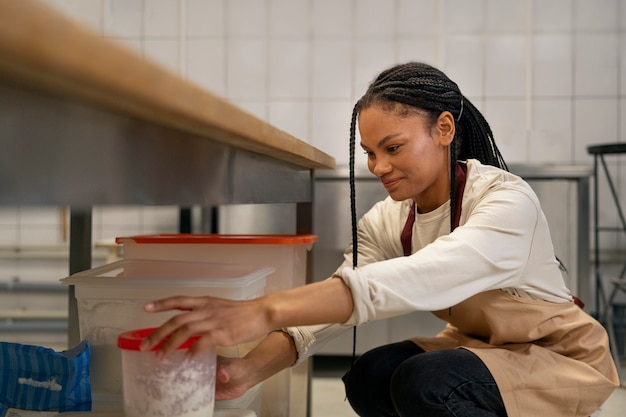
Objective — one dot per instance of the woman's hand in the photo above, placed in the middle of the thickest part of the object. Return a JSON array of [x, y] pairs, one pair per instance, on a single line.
[[231, 378], [235, 376], [216, 321], [223, 322]]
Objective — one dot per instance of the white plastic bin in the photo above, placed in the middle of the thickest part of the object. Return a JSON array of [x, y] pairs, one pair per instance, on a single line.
[[287, 254], [110, 301]]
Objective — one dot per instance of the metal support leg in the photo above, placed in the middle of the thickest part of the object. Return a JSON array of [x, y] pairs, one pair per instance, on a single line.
[[80, 260], [184, 220], [604, 304], [585, 287], [596, 238], [304, 225]]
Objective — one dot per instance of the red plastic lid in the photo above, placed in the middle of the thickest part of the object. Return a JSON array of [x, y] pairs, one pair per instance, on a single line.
[[132, 339], [214, 238]]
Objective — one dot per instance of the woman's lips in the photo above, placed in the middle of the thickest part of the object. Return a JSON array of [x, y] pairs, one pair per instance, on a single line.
[[390, 183]]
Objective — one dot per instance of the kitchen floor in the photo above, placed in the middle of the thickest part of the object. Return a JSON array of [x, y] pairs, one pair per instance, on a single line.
[[328, 397]]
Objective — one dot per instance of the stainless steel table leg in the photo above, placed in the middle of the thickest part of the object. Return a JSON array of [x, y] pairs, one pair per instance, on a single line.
[[304, 225], [80, 260], [583, 251]]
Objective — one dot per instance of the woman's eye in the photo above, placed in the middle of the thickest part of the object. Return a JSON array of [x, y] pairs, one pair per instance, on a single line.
[[393, 148]]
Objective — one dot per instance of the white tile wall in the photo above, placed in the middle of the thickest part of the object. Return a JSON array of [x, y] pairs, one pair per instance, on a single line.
[[506, 16], [161, 19], [372, 20], [370, 57], [549, 75], [330, 132], [550, 138], [289, 62], [595, 64], [507, 119], [205, 65], [291, 116], [332, 18], [246, 76], [595, 121], [505, 66], [289, 19], [552, 70], [552, 16], [462, 16], [417, 18], [597, 15], [464, 62], [246, 18], [424, 49], [205, 18], [331, 69]]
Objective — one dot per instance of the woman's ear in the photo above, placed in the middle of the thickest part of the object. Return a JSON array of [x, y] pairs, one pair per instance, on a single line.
[[445, 128]]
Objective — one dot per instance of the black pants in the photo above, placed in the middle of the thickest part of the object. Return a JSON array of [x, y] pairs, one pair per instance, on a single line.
[[402, 380]]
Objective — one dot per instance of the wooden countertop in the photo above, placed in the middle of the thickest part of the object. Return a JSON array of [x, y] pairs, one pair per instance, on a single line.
[[43, 50]]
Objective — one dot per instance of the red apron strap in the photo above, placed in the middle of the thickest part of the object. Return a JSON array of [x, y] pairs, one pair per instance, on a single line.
[[407, 231]]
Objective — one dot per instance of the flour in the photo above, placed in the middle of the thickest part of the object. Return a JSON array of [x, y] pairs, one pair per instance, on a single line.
[[174, 387]]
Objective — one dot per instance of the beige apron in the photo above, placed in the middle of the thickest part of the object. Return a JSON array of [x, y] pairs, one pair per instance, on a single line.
[[548, 359]]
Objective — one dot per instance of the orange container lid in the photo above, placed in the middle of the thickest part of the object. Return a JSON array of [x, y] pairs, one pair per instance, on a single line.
[[130, 340], [215, 238]]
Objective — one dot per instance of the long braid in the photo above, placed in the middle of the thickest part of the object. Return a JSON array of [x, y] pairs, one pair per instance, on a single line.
[[355, 248], [352, 188]]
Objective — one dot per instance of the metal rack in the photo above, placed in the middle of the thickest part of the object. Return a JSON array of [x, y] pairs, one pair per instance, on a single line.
[[605, 304]]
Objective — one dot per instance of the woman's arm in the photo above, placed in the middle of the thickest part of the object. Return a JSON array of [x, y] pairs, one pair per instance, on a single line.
[[228, 322]]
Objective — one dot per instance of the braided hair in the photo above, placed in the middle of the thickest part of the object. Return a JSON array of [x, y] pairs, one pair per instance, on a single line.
[[417, 88]]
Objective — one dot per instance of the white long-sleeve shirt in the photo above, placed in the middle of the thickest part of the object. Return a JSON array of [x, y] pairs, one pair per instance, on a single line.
[[502, 242]]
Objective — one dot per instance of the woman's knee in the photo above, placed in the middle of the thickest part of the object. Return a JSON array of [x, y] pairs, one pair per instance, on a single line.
[[418, 381], [367, 382], [437, 382]]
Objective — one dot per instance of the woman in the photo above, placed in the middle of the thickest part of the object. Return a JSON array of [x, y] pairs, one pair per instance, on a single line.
[[458, 236]]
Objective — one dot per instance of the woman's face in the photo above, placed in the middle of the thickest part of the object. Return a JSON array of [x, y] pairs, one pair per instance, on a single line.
[[408, 156]]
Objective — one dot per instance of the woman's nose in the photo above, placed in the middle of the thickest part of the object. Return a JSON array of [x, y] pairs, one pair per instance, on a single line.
[[379, 167]]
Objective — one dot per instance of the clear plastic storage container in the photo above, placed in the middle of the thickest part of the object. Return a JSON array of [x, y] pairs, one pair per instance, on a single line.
[[287, 254], [110, 301]]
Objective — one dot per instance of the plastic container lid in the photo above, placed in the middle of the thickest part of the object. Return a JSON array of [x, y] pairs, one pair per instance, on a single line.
[[131, 340], [141, 273], [199, 238]]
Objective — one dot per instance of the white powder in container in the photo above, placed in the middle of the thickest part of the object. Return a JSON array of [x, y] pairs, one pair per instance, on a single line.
[[172, 387]]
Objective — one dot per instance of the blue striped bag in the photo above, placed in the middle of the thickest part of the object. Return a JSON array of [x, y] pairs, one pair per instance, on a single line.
[[39, 378]]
